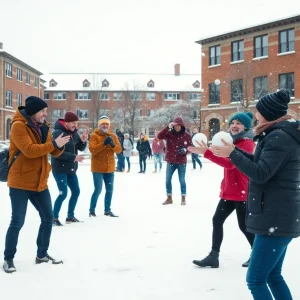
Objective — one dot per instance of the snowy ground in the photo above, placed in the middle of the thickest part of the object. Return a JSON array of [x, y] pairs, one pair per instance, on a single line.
[[146, 254]]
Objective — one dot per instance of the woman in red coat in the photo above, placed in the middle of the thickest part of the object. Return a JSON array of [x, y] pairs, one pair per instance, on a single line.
[[234, 187]]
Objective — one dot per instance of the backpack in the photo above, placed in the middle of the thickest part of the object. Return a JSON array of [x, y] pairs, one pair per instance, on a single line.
[[4, 166]]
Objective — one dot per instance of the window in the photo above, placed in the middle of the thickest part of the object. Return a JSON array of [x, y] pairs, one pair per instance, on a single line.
[[27, 78], [139, 112], [52, 83], [104, 96], [196, 115], [83, 96], [286, 81], [214, 55], [46, 96], [58, 113], [19, 99], [86, 83], [19, 74], [286, 40], [260, 87], [171, 96], [8, 69], [150, 84], [237, 90], [36, 82], [150, 96], [8, 98], [237, 51], [261, 46], [82, 113], [135, 96], [195, 96], [59, 96], [214, 93], [151, 131], [117, 96], [105, 83], [150, 112]]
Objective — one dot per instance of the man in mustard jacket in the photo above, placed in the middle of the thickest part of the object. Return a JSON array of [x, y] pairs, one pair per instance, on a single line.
[[103, 145], [28, 176]]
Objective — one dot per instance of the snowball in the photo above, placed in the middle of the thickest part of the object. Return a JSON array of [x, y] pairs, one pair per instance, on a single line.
[[216, 140], [272, 229], [199, 137]]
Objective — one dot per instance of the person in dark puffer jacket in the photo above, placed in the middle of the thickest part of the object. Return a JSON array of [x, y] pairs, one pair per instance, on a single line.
[[65, 166], [273, 206], [144, 149]]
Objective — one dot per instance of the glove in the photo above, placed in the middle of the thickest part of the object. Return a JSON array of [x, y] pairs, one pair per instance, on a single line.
[[109, 141], [182, 151]]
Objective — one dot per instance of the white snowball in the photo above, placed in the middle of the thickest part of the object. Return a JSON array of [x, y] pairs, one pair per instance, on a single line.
[[216, 140], [198, 137]]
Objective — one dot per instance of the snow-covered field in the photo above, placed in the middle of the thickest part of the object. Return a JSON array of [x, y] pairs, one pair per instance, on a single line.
[[145, 254]]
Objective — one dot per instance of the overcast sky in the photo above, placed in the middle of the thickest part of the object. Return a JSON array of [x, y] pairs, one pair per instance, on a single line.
[[124, 35]]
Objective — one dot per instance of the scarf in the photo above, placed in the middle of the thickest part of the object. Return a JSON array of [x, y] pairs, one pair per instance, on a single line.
[[261, 128]]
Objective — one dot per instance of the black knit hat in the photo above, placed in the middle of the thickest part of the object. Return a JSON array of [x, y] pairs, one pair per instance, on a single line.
[[34, 104], [273, 106]]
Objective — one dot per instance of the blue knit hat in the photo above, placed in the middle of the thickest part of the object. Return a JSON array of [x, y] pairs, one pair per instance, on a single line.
[[244, 117], [273, 106]]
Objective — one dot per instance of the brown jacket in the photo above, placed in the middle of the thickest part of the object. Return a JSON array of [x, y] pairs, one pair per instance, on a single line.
[[31, 169], [103, 157]]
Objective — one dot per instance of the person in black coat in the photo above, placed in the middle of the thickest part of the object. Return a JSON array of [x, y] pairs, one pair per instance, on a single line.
[[65, 166], [144, 149], [120, 156], [273, 206]]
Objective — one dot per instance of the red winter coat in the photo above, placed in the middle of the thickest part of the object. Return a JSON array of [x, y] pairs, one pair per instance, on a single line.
[[158, 146], [234, 185]]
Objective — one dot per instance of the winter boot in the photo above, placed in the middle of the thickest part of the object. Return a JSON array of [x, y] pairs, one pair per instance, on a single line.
[[246, 264], [8, 266], [183, 200], [168, 201], [46, 259], [56, 222], [110, 214], [71, 220], [212, 260], [92, 214]]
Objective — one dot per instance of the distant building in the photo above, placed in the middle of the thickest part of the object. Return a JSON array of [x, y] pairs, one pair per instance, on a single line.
[[241, 66], [17, 81]]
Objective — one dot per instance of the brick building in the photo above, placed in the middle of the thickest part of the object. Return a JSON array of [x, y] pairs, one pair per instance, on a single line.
[[91, 95], [241, 66], [17, 81]]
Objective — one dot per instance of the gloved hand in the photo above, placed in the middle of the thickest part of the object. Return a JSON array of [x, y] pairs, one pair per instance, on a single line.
[[109, 141], [182, 150]]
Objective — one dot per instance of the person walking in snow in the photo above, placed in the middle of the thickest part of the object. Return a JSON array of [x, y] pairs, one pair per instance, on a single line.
[[195, 156], [273, 206], [128, 147], [64, 167], [144, 149], [103, 145], [120, 156], [234, 187], [157, 151], [177, 140], [27, 179]]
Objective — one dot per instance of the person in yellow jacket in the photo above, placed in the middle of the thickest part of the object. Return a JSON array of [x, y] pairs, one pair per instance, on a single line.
[[27, 179], [103, 145]]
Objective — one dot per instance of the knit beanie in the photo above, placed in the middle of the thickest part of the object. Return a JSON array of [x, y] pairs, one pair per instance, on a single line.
[[34, 104], [70, 117], [273, 106], [103, 119], [244, 117]]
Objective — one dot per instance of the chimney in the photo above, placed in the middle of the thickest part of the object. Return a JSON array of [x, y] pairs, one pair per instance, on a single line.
[[1, 46], [177, 70]]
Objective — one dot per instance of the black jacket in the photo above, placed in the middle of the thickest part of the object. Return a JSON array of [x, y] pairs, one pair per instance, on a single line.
[[143, 146], [66, 163], [273, 205]]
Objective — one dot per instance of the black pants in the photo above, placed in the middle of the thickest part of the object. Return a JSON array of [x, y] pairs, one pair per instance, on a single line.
[[142, 159], [223, 211]]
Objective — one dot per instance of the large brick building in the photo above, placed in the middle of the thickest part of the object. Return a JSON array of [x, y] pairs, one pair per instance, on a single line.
[[241, 66], [17, 81], [91, 95]]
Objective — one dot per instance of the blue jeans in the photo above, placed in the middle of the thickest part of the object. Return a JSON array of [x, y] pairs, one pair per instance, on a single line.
[[64, 181], [266, 261], [108, 179], [171, 168], [120, 162], [42, 203], [157, 160], [195, 158], [128, 161]]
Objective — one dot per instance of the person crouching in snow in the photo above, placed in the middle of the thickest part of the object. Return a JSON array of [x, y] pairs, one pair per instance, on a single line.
[[177, 140], [234, 187]]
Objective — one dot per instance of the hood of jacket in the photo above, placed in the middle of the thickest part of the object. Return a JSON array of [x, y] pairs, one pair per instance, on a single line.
[[60, 125]]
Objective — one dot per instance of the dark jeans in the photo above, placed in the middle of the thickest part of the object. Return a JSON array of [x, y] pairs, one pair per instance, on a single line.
[[195, 158], [142, 159], [223, 211], [64, 181], [158, 160], [121, 162], [266, 261], [171, 168], [108, 179], [128, 161], [42, 203]]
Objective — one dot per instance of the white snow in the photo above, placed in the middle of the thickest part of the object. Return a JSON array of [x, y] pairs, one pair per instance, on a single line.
[[145, 254]]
